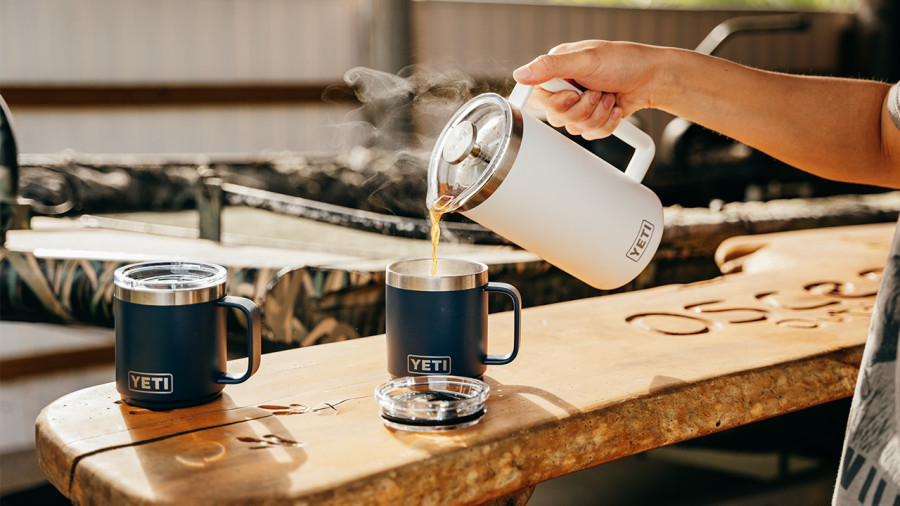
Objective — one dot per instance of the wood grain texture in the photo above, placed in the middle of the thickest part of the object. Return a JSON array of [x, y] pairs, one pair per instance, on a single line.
[[596, 380]]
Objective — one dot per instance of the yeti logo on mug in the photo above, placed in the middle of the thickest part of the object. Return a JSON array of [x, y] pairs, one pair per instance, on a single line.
[[150, 383], [420, 364], [641, 241]]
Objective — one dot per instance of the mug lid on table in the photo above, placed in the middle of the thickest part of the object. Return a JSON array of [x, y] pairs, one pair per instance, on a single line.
[[170, 283], [432, 403]]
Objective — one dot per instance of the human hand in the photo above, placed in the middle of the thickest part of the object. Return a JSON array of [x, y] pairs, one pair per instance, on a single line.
[[617, 75]]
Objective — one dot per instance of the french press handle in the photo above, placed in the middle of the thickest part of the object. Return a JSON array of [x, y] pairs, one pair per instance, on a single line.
[[644, 149]]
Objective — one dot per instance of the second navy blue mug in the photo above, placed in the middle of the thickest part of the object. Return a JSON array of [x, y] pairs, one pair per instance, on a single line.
[[437, 325], [171, 336]]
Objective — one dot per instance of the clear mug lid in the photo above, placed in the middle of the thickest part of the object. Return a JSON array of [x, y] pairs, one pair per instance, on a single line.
[[432, 403], [170, 283], [472, 154]]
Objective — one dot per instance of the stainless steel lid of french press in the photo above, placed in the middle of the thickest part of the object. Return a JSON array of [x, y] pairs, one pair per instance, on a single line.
[[474, 152], [170, 283]]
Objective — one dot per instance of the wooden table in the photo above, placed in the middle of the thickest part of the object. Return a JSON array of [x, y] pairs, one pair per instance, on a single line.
[[596, 380]]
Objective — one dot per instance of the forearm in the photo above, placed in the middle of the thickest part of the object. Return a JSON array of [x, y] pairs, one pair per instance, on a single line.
[[835, 128]]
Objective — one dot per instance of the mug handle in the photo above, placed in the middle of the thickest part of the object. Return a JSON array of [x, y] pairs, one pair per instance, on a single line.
[[513, 294], [251, 311], [644, 149]]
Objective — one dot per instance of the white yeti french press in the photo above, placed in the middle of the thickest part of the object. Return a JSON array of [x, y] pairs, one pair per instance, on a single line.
[[519, 177]]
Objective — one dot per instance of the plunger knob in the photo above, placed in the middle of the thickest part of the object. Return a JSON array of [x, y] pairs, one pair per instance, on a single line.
[[460, 143]]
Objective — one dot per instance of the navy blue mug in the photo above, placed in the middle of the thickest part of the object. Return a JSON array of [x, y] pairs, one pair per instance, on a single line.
[[437, 325], [171, 334]]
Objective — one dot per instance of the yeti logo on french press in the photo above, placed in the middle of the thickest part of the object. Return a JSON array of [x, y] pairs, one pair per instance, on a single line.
[[421, 364], [641, 241], [150, 383]]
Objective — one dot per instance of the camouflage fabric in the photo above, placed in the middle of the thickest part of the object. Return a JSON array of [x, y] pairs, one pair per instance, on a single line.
[[67, 290], [299, 306]]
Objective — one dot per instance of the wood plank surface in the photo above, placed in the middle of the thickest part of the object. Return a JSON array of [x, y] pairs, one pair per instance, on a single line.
[[596, 380]]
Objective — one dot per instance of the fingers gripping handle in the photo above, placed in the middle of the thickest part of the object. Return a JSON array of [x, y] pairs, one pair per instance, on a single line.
[[644, 149], [251, 312], [513, 294]]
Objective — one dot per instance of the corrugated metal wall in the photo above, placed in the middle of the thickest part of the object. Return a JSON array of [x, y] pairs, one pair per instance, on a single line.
[[231, 42], [487, 39], [177, 42], [185, 129], [484, 39]]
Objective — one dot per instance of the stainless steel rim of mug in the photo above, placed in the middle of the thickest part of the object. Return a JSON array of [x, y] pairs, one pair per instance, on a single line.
[[209, 284], [453, 274], [171, 297]]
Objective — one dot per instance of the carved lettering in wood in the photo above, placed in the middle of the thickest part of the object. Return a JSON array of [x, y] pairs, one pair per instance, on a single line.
[[811, 305]]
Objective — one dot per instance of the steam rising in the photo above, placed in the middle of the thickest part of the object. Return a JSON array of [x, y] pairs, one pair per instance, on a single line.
[[407, 110], [399, 120]]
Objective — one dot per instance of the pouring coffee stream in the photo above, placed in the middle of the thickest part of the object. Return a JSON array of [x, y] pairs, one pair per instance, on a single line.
[[522, 179], [435, 212]]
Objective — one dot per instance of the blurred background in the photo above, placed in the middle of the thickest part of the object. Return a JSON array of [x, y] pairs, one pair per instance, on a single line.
[[260, 80], [236, 77], [289, 139]]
